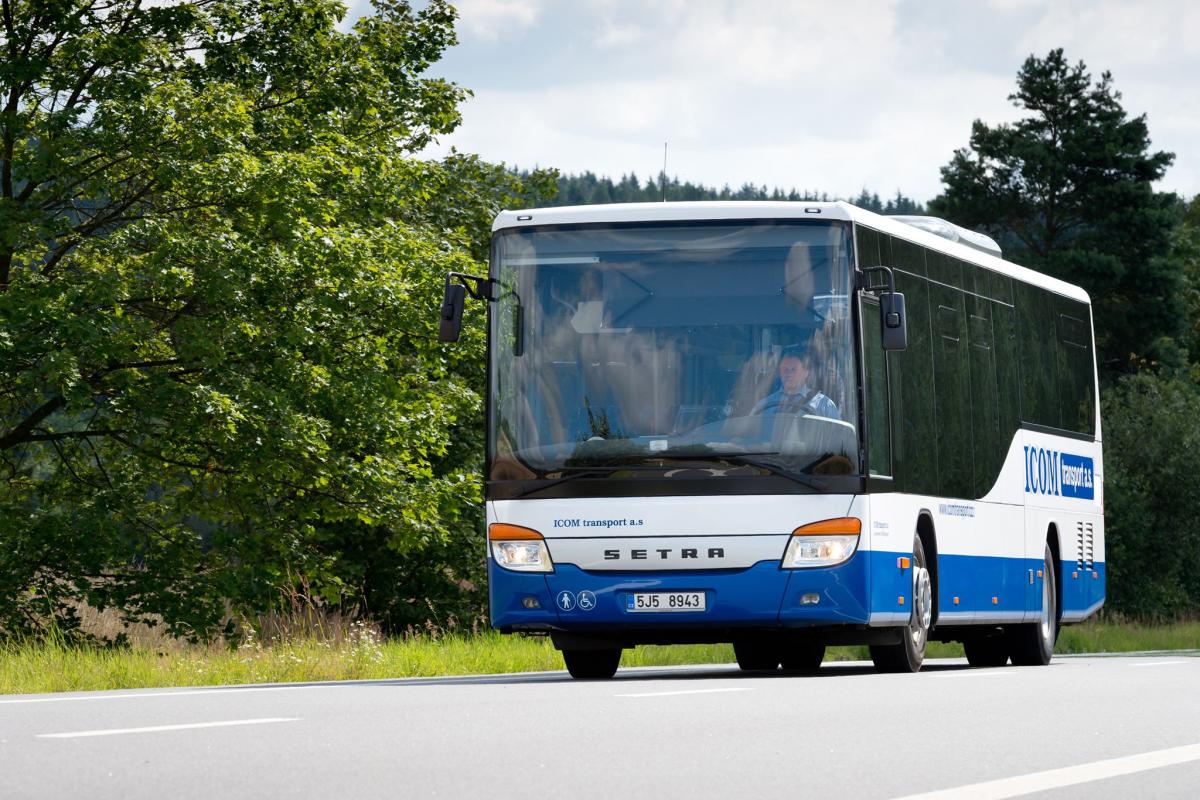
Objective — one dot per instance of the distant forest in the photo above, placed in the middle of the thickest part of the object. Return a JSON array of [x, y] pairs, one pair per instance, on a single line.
[[589, 188]]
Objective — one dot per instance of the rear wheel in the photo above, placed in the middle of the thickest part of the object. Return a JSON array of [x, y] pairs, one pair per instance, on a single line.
[[909, 654], [1032, 644], [592, 664], [756, 656], [987, 651], [803, 657]]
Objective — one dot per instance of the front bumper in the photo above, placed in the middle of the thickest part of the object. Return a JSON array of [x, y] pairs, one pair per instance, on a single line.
[[761, 596]]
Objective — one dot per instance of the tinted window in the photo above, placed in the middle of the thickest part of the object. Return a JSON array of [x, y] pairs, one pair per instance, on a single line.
[[990, 442], [868, 247], [952, 399], [1037, 337], [944, 269], [908, 257], [914, 432], [1076, 384], [879, 435]]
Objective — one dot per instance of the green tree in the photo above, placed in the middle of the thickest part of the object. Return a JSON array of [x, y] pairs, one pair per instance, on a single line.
[[1151, 460], [1067, 190], [218, 268], [1186, 252]]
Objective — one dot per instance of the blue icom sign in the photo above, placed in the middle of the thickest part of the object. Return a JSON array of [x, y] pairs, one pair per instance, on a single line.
[[1059, 474]]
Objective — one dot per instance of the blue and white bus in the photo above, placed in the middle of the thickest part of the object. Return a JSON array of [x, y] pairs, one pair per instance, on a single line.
[[785, 426]]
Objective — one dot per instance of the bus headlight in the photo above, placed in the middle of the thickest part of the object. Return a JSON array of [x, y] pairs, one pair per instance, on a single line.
[[519, 549], [822, 544]]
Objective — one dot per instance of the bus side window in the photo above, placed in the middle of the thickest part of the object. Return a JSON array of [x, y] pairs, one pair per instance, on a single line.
[[879, 429]]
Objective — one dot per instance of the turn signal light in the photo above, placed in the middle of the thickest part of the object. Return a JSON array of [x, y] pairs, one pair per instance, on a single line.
[[498, 531]]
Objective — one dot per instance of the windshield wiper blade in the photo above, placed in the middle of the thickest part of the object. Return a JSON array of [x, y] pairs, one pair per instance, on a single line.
[[775, 469], [584, 472]]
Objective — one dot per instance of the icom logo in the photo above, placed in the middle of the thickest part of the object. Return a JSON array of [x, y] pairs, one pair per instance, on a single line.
[[1051, 472]]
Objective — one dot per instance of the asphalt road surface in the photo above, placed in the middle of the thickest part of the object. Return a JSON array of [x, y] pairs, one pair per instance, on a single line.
[[1082, 727]]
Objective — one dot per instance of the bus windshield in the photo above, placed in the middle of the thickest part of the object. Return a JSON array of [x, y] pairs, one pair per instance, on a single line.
[[706, 350]]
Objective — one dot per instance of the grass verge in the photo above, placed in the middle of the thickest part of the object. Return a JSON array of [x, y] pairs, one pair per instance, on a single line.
[[55, 667]]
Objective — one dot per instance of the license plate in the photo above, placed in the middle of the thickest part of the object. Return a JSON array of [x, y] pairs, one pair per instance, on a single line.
[[665, 601]]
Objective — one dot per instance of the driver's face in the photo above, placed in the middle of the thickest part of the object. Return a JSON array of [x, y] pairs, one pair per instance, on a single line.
[[793, 372]]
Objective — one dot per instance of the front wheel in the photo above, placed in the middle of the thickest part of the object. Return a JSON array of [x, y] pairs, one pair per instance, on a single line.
[[1032, 644], [592, 664], [909, 654]]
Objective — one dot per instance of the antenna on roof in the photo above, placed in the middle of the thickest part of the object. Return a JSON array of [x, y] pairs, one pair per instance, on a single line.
[[664, 173]]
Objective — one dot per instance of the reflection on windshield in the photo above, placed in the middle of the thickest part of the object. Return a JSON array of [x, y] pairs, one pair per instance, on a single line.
[[661, 349]]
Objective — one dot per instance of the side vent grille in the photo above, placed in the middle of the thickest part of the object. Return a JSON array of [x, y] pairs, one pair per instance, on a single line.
[[1085, 545]]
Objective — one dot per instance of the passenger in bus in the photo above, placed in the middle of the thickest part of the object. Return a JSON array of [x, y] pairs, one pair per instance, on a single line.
[[796, 395]]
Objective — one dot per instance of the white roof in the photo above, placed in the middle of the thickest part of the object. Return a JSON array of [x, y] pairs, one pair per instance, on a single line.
[[760, 210]]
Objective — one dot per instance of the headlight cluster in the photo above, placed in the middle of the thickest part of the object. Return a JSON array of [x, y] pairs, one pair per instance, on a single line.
[[822, 544], [519, 549]]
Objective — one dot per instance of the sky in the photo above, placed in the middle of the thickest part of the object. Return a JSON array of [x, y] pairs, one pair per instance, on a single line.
[[820, 96]]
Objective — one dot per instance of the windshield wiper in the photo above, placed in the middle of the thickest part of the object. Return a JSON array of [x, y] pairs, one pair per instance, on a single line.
[[775, 469], [585, 472]]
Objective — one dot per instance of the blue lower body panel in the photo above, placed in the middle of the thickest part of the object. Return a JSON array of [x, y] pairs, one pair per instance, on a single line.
[[761, 596], [985, 589], [868, 588], [1083, 590]]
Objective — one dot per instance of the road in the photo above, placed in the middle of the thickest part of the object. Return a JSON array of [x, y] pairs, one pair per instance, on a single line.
[[1081, 727]]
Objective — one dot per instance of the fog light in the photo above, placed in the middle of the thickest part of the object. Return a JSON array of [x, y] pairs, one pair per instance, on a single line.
[[810, 599], [531, 602]]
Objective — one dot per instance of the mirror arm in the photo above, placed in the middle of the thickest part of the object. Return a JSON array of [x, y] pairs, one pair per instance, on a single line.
[[479, 288], [891, 287]]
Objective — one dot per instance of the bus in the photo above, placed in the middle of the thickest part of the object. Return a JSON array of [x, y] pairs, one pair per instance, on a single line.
[[784, 426]]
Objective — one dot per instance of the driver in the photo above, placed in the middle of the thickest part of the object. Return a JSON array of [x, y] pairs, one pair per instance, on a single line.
[[796, 395]]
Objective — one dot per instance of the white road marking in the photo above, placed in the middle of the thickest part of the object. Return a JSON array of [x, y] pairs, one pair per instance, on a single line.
[[1159, 663], [1067, 776], [158, 728], [686, 691]]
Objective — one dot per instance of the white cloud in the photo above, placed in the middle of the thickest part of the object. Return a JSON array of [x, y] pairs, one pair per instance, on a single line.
[[803, 94], [1127, 34], [487, 20]]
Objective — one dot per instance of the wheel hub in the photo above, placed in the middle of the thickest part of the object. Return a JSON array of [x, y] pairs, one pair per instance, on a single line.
[[922, 598]]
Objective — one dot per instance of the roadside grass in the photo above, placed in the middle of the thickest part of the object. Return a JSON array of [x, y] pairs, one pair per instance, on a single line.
[[55, 666]]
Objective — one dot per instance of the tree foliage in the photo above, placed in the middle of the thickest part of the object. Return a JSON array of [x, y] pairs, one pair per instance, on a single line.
[[218, 260], [1151, 460], [1067, 190], [588, 188]]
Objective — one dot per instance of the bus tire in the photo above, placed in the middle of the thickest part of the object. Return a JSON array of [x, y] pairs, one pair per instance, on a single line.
[[986, 651], [803, 657], [592, 664], [909, 654], [756, 656], [1032, 644]]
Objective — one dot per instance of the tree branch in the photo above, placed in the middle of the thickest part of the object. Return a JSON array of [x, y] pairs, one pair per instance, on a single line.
[[21, 432], [61, 435]]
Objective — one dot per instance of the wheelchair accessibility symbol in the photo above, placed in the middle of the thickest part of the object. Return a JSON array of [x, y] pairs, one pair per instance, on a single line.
[[566, 601], [587, 601]]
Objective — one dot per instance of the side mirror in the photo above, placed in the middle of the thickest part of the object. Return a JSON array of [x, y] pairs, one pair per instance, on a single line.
[[894, 321], [452, 312]]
